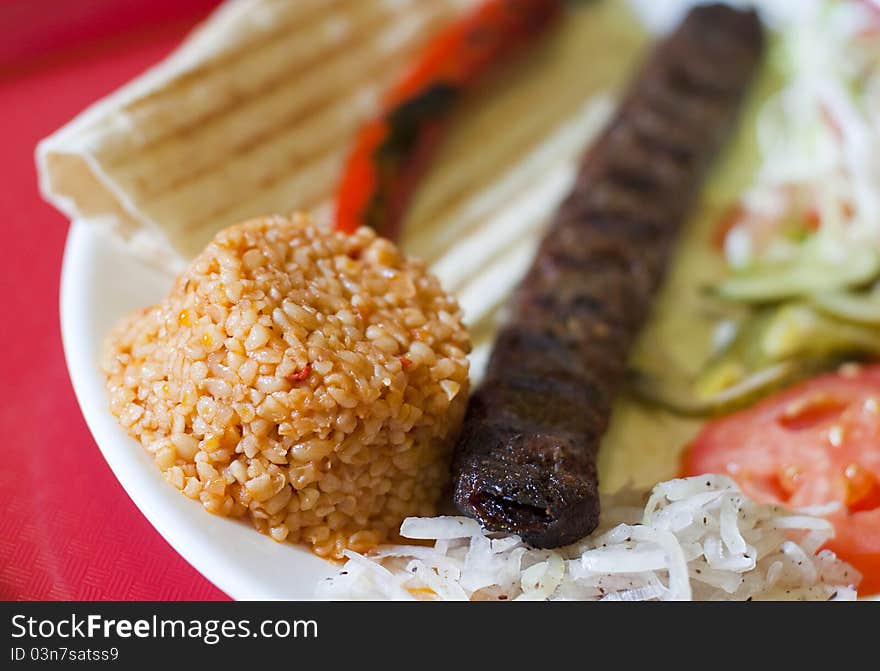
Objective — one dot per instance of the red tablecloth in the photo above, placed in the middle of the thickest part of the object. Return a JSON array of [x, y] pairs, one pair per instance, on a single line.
[[67, 528]]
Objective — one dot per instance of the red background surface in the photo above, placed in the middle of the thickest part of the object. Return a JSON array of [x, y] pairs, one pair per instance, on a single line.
[[67, 528]]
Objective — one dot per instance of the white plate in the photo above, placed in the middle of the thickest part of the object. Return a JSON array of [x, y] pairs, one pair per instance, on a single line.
[[99, 284]]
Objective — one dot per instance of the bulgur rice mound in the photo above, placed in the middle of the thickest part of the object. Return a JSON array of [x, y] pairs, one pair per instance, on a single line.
[[311, 380]]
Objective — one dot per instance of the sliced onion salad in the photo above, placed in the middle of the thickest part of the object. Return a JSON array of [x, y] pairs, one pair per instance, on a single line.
[[696, 538]]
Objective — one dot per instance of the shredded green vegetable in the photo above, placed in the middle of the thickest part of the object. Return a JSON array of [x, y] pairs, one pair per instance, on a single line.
[[804, 252], [805, 276]]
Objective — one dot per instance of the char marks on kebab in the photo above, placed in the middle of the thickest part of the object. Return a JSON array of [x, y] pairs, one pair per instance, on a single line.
[[526, 460]]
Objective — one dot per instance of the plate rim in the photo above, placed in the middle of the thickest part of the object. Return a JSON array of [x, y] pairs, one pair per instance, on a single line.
[[219, 568]]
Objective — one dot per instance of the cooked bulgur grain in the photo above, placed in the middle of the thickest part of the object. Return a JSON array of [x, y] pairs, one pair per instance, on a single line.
[[310, 380]]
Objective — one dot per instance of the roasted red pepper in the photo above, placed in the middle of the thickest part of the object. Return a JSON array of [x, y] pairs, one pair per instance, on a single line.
[[393, 151]]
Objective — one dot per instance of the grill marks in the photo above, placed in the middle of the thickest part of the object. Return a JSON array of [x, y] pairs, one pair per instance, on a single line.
[[526, 459], [305, 72], [262, 124]]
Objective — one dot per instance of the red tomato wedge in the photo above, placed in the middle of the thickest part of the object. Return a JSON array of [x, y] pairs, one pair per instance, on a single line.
[[817, 442]]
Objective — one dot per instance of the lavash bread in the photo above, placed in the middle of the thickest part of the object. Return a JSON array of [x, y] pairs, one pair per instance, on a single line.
[[251, 115]]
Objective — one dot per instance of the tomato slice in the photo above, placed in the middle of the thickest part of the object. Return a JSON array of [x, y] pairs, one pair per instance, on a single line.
[[815, 443]]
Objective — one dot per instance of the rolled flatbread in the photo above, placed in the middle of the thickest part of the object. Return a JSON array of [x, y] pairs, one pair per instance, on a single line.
[[251, 115]]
